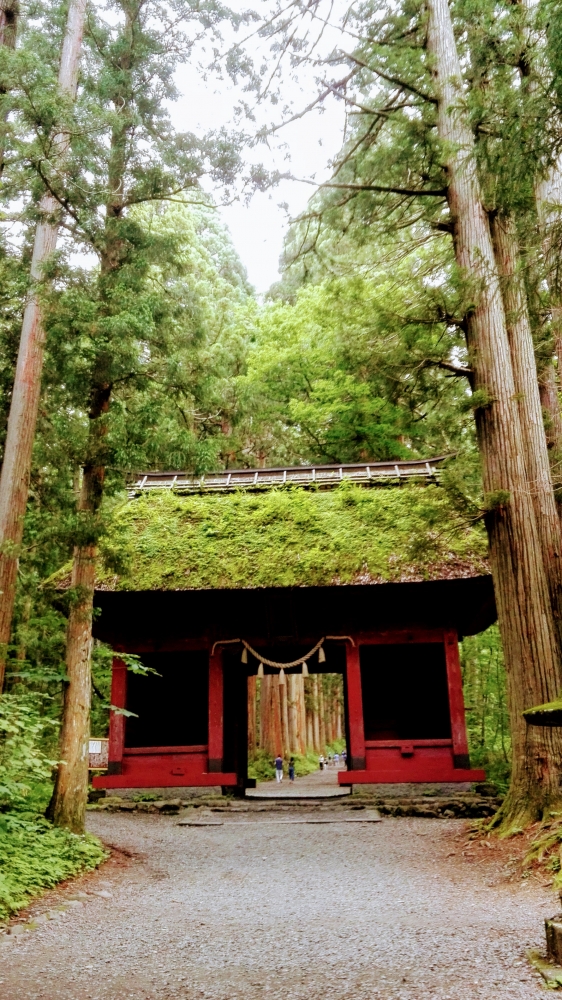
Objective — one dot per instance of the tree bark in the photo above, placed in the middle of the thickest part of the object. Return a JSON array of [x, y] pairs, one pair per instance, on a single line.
[[277, 721], [321, 714], [9, 13], [316, 713], [520, 336], [266, 742], [550, 402], [68, 802], [112, 259], [525, 616], [309, 731], [302, 714], [548, 199], [16, 467], [339, 721], [291, 712], [252, 716], [283, 698]]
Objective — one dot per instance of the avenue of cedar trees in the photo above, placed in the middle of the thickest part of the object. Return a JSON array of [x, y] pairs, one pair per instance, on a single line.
[[419, 313]]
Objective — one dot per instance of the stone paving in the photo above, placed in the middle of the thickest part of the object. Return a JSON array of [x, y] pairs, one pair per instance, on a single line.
[[403, 909], [319, 784]]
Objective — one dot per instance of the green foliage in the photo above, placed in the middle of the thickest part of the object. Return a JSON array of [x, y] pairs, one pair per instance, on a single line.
[[34, 856], [290, 537], [347, 371], [484, 685], [25, 734]]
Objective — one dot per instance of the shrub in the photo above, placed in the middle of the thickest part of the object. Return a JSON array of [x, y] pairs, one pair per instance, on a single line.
[[25, 760], [35, 856]]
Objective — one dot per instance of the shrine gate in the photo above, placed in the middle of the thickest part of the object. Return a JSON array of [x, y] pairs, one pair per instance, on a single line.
[[199, 592]]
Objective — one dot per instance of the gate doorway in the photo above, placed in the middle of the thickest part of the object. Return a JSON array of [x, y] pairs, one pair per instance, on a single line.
[[298, 717]]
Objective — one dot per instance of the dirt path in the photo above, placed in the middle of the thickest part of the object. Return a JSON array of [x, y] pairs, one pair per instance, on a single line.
[[260, 909], [321, 784]]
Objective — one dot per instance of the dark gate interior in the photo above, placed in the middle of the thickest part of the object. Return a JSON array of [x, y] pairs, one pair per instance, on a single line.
[[172, 708], [405, 693]]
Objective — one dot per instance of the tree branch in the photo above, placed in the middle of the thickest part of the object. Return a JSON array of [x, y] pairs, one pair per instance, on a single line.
[[392, 79], [408, 192], [458, 370]]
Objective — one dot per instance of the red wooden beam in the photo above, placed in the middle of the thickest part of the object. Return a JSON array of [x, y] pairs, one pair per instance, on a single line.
[[384, 636], [356, 754], [461, 757], [116, 720], [164, 780], [216, 712]]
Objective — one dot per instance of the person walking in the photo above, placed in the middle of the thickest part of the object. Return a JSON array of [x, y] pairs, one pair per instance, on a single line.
[[321, 762], [292, 769], [279, 768]]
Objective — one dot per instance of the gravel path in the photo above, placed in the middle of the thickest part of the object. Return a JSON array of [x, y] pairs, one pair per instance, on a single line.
[[262, 910]]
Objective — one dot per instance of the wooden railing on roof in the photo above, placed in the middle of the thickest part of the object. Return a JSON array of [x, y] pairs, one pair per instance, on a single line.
[[365, 473]]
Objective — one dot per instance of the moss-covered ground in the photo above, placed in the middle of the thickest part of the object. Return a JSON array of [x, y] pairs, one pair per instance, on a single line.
[[291, 537]]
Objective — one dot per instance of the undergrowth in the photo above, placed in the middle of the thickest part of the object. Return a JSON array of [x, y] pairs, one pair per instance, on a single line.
[[546, 848], [34, 855]]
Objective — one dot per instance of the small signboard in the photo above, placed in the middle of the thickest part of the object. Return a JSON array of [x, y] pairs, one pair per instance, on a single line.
[[98, 755]]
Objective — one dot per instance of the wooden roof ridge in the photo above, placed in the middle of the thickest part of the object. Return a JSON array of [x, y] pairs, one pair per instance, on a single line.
[[318, 475]]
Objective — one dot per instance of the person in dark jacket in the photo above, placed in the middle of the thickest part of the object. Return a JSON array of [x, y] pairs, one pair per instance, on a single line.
[[279, 768], [292, 769]]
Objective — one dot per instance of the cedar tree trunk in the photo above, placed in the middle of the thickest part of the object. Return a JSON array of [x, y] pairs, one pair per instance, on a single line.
[[522, 595], [16, 468], [68, 802], [252, 716], [548, 198], [69, 796], [533, 434]]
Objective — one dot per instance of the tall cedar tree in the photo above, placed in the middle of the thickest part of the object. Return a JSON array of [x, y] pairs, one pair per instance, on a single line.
[[16, 466], [510, 118], [393, 161], [520, 581], [144, 160]]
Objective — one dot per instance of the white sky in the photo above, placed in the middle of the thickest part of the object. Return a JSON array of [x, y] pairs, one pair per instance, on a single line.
[[303, 148]]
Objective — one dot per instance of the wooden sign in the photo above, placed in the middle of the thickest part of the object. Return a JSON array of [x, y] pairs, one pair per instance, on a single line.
[[98, 755]]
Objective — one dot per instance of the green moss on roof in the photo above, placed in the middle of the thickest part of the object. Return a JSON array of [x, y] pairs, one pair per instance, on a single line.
[[293, 537]]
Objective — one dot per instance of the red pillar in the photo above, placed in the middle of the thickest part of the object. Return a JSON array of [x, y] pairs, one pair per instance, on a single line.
[[456, 701], [215, 711], [356, 749], [116, 720]]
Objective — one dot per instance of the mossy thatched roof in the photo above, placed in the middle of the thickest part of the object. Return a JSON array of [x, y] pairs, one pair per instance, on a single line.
[[293, 537]]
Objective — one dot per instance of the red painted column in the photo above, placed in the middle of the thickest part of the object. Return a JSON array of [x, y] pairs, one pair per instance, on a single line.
[[216, 711], [456, 700], [356, 749], [117, 721]]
